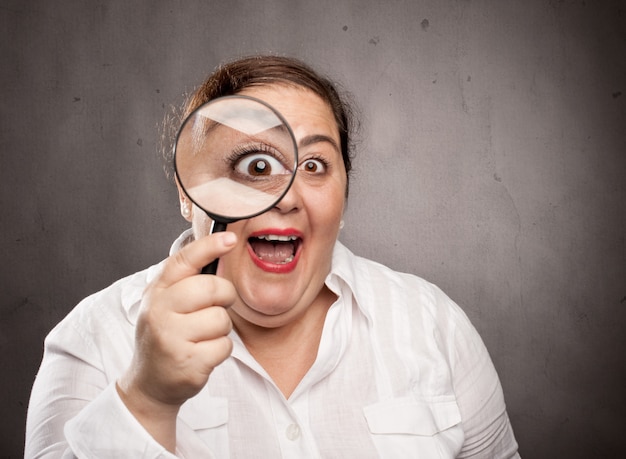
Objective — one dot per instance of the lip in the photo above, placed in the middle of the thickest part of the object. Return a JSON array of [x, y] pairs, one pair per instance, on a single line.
[[273, 267]]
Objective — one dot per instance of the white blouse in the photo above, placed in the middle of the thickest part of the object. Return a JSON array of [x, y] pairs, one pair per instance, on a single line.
[[400, 373]]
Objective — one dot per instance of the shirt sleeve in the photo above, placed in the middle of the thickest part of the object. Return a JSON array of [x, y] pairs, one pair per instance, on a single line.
[[75, 410], [486, 425], [105, 428]]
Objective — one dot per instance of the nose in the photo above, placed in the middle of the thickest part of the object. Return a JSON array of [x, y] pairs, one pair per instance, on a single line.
[[292, 200]]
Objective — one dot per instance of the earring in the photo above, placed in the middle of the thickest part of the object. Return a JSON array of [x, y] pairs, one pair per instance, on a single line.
[[185, 209], [341, 224]]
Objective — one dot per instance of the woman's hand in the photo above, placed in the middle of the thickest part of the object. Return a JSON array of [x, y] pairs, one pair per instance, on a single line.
[[181, 336]]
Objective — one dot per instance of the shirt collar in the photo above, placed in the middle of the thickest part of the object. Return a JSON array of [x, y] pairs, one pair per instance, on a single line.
[[181, 241], [345, 270], [134, 288]]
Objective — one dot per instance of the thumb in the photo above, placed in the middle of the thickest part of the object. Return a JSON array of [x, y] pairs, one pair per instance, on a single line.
[[194, 256]]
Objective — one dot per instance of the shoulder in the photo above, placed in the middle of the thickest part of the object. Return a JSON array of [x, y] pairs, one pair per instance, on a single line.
[[102, 312], [377, 286], [404, 304]]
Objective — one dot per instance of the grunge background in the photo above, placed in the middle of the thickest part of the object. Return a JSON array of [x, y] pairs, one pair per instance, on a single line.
[[491, 161]]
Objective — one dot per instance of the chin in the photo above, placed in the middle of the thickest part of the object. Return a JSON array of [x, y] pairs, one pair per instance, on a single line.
[[270, 305], [269, 302], [263, 318]]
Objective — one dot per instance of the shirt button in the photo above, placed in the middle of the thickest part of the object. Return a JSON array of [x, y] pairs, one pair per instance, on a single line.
[[293, 432]]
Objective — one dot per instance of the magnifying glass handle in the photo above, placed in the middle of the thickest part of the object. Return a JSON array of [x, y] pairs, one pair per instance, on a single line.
[[216, 227]]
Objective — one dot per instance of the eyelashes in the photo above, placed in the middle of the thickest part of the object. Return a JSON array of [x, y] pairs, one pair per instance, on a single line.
[[262, 160], [315, 165]]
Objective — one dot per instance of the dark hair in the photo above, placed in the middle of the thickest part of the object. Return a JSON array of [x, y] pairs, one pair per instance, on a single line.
[[233, 77]]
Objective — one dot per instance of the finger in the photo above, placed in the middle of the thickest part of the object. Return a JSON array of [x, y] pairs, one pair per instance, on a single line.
[[193, 257], [213, 353], [203, 325], [197, 292]]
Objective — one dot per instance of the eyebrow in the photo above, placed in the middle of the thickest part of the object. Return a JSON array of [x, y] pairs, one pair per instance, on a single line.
[[316, 138]]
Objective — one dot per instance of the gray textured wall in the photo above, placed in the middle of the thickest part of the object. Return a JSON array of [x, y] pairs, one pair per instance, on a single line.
[[491, 161]]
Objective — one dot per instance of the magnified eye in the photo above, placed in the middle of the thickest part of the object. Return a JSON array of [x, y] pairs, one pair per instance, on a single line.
[[260, 165]]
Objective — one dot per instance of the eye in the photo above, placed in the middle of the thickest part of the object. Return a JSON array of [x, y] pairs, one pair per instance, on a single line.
[[314, 166], [259, 165]]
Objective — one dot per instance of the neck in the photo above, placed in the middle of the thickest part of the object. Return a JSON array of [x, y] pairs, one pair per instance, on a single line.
[[287, 352]]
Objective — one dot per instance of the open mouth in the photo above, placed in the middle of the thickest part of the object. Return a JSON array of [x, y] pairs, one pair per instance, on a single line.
[[275, 249]]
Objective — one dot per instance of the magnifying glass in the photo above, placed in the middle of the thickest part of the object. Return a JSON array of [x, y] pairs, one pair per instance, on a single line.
[[235, 157]]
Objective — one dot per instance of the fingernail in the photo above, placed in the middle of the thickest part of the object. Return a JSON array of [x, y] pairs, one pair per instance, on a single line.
[[229, 238]]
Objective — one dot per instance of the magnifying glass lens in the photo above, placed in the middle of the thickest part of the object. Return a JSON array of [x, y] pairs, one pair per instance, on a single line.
[[235, 157]]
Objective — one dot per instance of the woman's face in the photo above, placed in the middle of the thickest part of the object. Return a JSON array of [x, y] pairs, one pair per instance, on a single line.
[[283, 256]]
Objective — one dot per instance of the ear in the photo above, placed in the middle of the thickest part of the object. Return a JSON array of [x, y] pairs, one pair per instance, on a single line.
[[186, 208]]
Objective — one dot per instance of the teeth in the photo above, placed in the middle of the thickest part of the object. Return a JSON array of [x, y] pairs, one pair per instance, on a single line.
[[274, 237], [287, 260]]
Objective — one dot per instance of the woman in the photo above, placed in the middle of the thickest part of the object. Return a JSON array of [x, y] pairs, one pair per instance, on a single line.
[[297, 348]]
